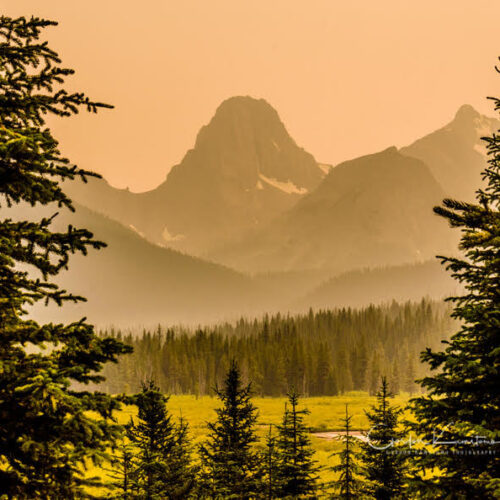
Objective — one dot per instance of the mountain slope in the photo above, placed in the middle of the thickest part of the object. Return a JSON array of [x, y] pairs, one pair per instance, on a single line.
[[455, 153], [374, 286], [243, 170], [133, 282], [372, 211]]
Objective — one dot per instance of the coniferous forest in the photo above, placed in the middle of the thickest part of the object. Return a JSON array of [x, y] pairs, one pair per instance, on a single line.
[[65, 387], [320, 354]]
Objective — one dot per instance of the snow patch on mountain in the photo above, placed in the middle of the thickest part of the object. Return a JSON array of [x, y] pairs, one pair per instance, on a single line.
[[287, 187], [483, 126], [140, 233], [481, 148], [167, 237], [325, 167]]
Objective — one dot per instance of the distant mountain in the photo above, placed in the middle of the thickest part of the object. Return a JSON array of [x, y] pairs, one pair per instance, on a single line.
[[372, 211], [134, 282], [455, 153], [243, 171], [381, 285]]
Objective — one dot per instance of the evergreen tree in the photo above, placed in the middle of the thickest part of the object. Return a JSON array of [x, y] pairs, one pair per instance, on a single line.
[[269, 467], [344, 371], [394, 381], [122, 471], [361, 361], [182, 473], [410, 376], [297, 471], [46, 433], [382, 466], [162, 460], [348, 485], [229, 464], [374, 374], [463, 396]]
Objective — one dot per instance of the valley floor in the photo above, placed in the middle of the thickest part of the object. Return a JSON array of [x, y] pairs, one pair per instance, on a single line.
[[324, 419]]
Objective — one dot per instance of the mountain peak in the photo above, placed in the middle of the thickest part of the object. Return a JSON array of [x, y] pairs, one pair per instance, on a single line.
[[242, 117], [455, 153], [240, 102], [244, 170], [245, 140], [466, 113]]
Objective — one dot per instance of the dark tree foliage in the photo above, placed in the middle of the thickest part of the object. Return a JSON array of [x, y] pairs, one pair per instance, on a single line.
[[121, 472], [321, 354], [297, 470], [383, 464], [269, 467], [463, 396], [162, 461], [230, 465], [46, 433], [349, 485]]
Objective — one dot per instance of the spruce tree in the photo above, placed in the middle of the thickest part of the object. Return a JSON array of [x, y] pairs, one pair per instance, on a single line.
[[162, 464], [182, 473], [122, 471], [383, 466], [297, 470], [46, 434], [463, 395], [229, 463], [349, 485], [269, 465]]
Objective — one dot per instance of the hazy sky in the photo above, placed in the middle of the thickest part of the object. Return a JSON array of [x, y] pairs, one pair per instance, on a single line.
[[347, 77]]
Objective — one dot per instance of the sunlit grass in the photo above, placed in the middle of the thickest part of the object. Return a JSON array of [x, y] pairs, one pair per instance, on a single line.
[[325, 415]]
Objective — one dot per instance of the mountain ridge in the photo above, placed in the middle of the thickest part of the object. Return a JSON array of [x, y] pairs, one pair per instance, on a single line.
[[455, 153], [243, 170], [357, 217]]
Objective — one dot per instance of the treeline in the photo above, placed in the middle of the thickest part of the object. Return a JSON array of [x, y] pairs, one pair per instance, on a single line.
[[319, 353]]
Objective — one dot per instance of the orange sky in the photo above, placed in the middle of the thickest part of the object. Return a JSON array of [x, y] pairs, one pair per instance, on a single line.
[[347, 77]]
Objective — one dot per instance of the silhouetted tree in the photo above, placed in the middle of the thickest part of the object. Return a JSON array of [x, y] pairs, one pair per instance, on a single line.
[[122, 471], [162, 462], [46, 432], [463, 396], [230, 465], [269, 466], [348, 486], [297, 470], [383, 465]]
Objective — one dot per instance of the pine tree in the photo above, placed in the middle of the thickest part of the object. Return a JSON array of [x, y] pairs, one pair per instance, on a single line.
[[394, 381], [46, 432], [383, 467], [229, 463], [161, 460], [410, 375], [297, 470], [463, 396], [182, 473], [348, 485], [122, 471], [269, 466], [374, 374]]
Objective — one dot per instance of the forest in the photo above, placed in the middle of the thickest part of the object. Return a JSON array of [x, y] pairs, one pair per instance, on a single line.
[[319, 353]]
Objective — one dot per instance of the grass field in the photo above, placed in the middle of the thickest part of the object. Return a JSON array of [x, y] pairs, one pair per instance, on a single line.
[[325, 415]]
